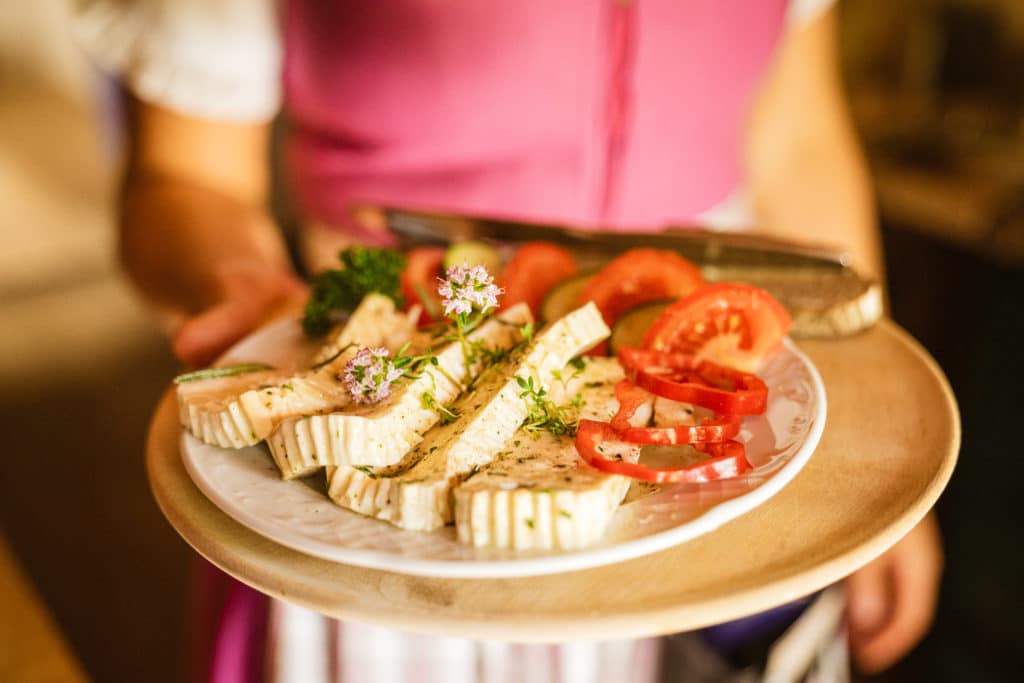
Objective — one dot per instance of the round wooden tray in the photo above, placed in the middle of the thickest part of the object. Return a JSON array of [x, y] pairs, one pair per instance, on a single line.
[[889, 448]]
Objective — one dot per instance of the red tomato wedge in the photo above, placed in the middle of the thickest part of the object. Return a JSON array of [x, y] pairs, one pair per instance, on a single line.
[[686, 378], [730, 324], [636, 277], [535, 268], [728, 459], [419, 281]]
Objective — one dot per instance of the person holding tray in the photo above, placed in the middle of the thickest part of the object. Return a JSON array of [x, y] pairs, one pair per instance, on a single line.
[[610, 113]]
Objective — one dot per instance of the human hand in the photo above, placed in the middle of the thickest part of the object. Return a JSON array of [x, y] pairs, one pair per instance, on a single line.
[[246, 296], [891, 601]]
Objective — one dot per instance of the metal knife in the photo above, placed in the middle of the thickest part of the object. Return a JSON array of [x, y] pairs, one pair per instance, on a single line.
[[825, 296], [704, 247]]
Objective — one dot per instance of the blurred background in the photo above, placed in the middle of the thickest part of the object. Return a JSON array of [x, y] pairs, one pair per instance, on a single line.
[[937, 90]]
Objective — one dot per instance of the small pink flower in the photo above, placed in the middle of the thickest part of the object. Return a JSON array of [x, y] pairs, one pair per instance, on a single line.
[[369, 375], [466, 289]]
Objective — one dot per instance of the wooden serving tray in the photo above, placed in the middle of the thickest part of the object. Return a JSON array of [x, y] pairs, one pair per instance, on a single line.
[[889, 448]]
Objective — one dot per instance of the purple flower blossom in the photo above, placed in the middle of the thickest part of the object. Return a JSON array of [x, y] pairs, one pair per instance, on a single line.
[[467, 289], [369, 375]]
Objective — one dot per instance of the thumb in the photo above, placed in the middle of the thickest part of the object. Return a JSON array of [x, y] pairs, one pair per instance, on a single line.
[[249, 297], [204, 337], [867, 599]]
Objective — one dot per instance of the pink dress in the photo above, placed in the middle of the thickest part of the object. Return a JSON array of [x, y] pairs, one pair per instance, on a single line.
[[617, 114]]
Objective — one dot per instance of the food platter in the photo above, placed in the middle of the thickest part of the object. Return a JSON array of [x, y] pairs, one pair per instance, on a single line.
[[888, 452], [247, 486]]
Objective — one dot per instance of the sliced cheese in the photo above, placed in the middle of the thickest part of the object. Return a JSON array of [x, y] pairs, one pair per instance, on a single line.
[[416, 494], [233, 412], [380, 435], [537, 494]]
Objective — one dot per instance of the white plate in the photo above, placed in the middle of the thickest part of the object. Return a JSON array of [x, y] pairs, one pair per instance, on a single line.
[[247, 486]]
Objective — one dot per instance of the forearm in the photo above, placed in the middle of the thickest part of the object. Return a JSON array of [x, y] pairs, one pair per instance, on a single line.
[[179, 238], [807, 174], [823, 195], [192, 208]]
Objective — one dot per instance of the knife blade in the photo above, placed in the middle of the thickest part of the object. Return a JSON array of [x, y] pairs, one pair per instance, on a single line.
[[824, 295], [704, 247]]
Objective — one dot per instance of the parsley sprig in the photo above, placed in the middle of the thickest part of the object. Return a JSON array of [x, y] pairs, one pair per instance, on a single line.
[[335, 292]]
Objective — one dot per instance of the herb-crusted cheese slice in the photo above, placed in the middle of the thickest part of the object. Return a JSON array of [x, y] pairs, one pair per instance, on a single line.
[[380, 435], [417, 496], [537, 494], [413, 493], [233, 412]]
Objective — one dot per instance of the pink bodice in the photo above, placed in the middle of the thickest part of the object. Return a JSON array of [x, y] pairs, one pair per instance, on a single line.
[[587, 111]]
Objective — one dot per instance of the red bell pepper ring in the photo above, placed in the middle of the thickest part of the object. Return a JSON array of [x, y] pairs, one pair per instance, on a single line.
[[685, 378], [631, 397], [720, 430], [728, 459]]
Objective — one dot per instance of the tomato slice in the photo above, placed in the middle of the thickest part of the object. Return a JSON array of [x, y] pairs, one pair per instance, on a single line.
[[731, 324], [636, 277], [686, 378], [532, 271], [419, 281], [728, 459]]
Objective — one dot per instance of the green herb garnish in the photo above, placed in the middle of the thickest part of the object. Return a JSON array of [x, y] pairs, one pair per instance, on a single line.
[[367, 470], [365, 270], [542, 413], [334, 356], [222, 371], [428, 302], [448, 413]]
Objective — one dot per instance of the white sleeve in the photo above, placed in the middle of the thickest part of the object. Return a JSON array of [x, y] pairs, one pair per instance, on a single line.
[[210, 58], [802, 12]]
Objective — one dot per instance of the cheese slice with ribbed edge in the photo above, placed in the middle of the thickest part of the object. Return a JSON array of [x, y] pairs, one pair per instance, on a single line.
[[417, 493], [537, 494], [382, 434], [233, 412]]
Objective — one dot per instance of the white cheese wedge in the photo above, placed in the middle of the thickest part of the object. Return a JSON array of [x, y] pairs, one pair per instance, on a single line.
[[537, 494], [380, 435], [416, 495], [233, 412]]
